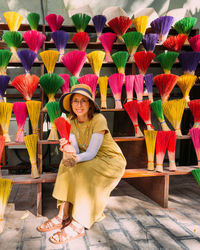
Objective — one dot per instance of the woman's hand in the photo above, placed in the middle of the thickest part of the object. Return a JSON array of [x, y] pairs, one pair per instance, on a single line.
[[69, 159], [66, 146]]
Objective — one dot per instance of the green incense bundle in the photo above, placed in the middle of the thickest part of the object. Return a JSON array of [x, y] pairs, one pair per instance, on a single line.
[[73, 80], [33, 20], [80, 21], [158, 111], [120, 59], [13, 39], [196, 174], [5, 56], [51, 83], [54, 111], [132, 41], [185, 25], [166, 60]]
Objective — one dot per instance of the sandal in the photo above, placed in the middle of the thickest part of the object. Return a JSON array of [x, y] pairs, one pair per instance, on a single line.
[[49, 225], [63, 237]]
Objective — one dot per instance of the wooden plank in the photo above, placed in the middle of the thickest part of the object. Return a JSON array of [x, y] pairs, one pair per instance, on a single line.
[[39, 199]]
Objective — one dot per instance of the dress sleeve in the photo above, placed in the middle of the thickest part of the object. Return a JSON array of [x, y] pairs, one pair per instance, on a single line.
[[99, 124]]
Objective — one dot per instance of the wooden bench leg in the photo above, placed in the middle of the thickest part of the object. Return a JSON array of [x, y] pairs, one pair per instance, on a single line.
[[156, 188], [39, 199]]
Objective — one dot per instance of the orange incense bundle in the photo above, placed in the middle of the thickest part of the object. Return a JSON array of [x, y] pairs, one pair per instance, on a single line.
[[171, 151], [143, 60], [165, 83], [194, 106], [144, 110], [132, 110], [175, 43]]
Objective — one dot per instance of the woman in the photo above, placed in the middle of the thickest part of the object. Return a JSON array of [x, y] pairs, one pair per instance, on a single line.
[[93, 168]]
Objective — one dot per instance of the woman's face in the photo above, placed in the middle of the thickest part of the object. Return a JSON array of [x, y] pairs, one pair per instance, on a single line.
[[80, 105]]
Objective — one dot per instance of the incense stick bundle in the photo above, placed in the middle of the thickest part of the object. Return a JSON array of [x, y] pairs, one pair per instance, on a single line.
[[144, 110], [95, 59], [5, 56], [195, 43], [27, 58], [116, 82], [175, 43], [185, 25], [20, 111], [158, 111], [80, 21], [33, 20], [54, 111], [129, 84], [148, 80], [49, 58], [132, 110], [120, 59], [103, 86], [5, 115], [195, 135], [65, 87], [31, 145], [138, 86], [81, 39], [2, 145], [90, 80], [13, 19], [166, 60], [140, 23], [194, 106], [5, 189], [173, 110], [189, 61], [99, 23], [171, 151], [34, 108], [4, 80], [162, 141], [149, 41], [143, 59], [150, 139], [54, 21], [60, 38], [107, 39], [73, 80]]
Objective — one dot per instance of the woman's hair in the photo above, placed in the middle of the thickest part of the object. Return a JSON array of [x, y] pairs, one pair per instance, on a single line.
[[91, 110]]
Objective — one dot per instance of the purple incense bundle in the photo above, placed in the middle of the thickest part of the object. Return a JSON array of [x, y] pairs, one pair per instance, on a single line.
[[27, 58], [161, 26], [129, 84], [99, 23], [149, 41], [139, 86], [189, 61], [4, 80], [60, 38], [148, 79], [65, 87]]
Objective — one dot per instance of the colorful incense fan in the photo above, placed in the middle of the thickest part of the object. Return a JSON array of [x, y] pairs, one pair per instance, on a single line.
[[107, 40], [91, 80], [143, 59], [185, 25], [189, 61], [150, 140], [149, 41], [49, 58], [80, 21], [171, 151], [166, 60], [140, 23], [81, 39], [138, 86], [95, 59], [129, 84], [195, 135], [144, 110], [175, 43], [120, 59], [27, 58], [99, 23], [54, 21], [194, 106], [60, 38], [195, 43], [148, 80], [103, 86], [5, 56], [5, 115], [4, 80], [33, 20], [13, 19]]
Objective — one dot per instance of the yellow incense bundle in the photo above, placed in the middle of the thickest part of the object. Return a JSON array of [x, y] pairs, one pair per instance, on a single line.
[[34, 108], [5, 189], [5, 115], [31, 145], [95, 59], [13, 19], [140, 23], [103, 86], [49, 58], [173, 110], [150, 139]]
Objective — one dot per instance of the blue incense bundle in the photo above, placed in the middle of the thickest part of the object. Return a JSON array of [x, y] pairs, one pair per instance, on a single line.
[[4, 80], [189, 61], [27, 58], [99, 23], [149, 41], [60, 38], [148, 80], [161, 26]]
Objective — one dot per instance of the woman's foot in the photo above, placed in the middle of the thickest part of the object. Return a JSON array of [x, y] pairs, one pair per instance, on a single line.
[[54, 223], [73, 231]]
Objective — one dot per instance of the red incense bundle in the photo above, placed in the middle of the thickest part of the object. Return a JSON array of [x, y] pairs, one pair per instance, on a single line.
[[132, 110], [165, 83], [162, 141], [171, 151], [107, 40], [129, 84], [20, 111], [144, 110], [91, 80], [195, 135], [143, 60], [54, 21], [81, 39], [175, 43], [65, 87], [194, 106], [138, 86], [195, 43]]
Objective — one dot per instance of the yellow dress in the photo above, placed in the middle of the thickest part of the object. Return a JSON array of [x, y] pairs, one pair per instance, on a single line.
[[87, 186]]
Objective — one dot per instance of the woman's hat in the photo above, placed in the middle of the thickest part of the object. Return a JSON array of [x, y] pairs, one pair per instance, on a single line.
[[82, 89]]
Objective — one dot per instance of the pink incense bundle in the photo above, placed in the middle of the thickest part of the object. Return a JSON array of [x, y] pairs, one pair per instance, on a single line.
[[162, 141], [20, 111], [2, 145], [144, 110], [175, 43], [139, 86], [26, 85], [74, 61], [165, 83], [143, 59], [91, 80], [65, 87], [54, 21], [129, 84], [194, 106], [132, 110], [171, 151], [107, 40], [81, 39], [195, 43], [195, 135], [120, 25], [116, 82]]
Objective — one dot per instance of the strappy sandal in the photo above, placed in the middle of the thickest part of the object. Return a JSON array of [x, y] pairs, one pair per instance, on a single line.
[[64, 237], [49, 225]]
